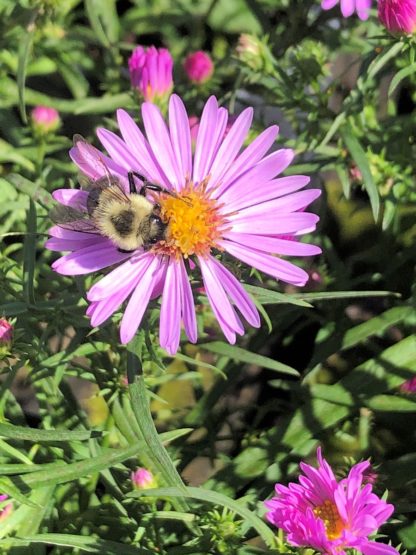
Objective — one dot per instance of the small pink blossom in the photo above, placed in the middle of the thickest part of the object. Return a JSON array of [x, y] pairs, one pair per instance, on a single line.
[[143, 479], [330, 516], [6, 509], [409, 386], [198, 67], [45, 119], [151, 72], [348, 7], [398, 16]]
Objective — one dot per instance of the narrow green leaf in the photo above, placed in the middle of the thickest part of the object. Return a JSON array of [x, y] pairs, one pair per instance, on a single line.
[[88, 544], [237, 353], [7, 486], [267, 296], [209, 496], [29, 254], [74, 471], [359, 156], [400, 75], [391, 403], [38, 436], [380, 61], [25, 48]]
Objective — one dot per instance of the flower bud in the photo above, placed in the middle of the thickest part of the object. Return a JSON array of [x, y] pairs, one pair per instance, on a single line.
[[398, 16], [254, 52], [151, 73], [409, 386], [6, 336], [5, 509], [198, 67], [143, 479], [45, 119]]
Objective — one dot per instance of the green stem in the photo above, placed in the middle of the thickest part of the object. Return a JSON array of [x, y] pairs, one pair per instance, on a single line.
[[159, 457]]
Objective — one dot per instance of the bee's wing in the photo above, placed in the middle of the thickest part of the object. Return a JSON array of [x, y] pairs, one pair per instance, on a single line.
[[91, 157], [72, 219]]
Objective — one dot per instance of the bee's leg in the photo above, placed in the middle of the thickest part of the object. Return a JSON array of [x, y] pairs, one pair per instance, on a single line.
[[124, 251], [132, 183]]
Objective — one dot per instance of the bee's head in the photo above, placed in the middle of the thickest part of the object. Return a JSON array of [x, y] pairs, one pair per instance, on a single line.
[[157, 230]]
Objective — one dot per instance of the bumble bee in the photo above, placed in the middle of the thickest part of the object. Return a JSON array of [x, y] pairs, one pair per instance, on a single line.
[[129, 220]]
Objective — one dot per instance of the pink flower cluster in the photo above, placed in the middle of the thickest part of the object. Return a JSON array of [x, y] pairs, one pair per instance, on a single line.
[[331, 516], [198, 67]]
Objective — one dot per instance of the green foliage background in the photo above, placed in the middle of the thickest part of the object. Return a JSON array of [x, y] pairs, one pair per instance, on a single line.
[[325, 367]]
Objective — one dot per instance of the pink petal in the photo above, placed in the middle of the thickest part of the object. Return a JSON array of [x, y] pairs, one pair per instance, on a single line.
[[118, 278], [252, 180], [238, 294], [285, 224], [273, 244], [140, 148], [102, 310], [251, 155], [56, 244], [180, 136], [118, 150], [376, 548], [188, 305], [205, 143], [274, 266], [95, 164], [170, 312], [89, 259], [220, 304], [159, 140], [230, 147], [75, 198], [269, 190], [139, 300], [61, 233], [286, 204]]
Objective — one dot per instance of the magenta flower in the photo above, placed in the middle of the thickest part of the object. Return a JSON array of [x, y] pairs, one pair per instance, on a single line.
[[348, 7], [6, 332], [398, 16], [151, 72], [330, 516], [409, 386], [225, 200], [143, 479], [198, 67], [45, 119], [5, 509]]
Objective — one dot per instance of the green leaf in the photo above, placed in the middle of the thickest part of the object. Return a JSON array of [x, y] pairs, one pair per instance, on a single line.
[[29, 254], [7, 486], [88, 544], [358, 154], [400, 75], [391, 403], [209, 496], [39, 436], [74, 471], [25, 48], [237, 353], [104, 20], [380, 61], [267, 296]]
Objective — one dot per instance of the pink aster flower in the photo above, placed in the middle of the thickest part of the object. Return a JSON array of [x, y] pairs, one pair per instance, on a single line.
[[348, 7], [45, 119], [330, 516], [225, 199], [5, 509], [143, 479], [198, 67], [151, 72], [6, 332], [398, 16]]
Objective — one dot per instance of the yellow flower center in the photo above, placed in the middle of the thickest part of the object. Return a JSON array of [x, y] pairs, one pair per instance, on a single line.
[[194, 222], [328, 513]]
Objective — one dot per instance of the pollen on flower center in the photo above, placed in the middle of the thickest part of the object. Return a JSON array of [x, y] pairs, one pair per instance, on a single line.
[[194, 222], [328, 513]]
